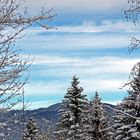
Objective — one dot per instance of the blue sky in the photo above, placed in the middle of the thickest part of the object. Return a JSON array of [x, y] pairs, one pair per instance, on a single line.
[[90, 42]]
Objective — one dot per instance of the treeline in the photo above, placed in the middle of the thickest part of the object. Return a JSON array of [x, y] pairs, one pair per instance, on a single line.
[[81, 119], [84, 120]]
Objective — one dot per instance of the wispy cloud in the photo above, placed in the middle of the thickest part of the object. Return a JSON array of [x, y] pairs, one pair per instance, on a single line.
[[92, 64], [90, 26], [44, 88], [105, 26], [59, 87], [92, 85], [88, 43], [104, 73], [88, 35], [78, 5]]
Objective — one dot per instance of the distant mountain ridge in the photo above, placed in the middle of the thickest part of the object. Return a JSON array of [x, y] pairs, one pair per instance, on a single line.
[[45, 118]]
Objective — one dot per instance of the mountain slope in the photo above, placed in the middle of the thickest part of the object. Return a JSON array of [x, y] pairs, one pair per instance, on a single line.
[[44, 117]]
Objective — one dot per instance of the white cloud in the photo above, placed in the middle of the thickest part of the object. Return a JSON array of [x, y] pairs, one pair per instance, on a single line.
[[75, 42], [42, 88], [56, 90], [103, 73], [89, 26], [105, 26], [78, 5], [85, 27], [92, 85], [91, 65], [111, 35], [91, 72]]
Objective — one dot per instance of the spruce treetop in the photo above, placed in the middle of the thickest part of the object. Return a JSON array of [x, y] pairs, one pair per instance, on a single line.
[[72, 115]]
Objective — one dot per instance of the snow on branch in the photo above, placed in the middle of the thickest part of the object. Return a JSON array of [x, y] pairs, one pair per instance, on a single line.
[[122, 112]]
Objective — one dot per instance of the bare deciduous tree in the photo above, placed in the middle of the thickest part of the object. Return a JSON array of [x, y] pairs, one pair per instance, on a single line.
[[132, 14], [12, 66]]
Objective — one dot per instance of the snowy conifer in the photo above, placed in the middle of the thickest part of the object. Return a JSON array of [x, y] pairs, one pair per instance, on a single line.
[[31, 131], [127, 118], [98, 129], [72, 115]]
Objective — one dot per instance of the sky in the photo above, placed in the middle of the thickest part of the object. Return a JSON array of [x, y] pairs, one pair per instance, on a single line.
[[90, 40]]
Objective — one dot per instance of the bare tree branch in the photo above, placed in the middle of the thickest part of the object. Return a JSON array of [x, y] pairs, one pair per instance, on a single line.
[[132, 14], [134, 44], [122, 112], [12, 66]]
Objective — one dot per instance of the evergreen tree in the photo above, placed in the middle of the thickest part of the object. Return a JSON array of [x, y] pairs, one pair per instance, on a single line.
[[31, 131], [72, 114], [127, 118], [98, 129]]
